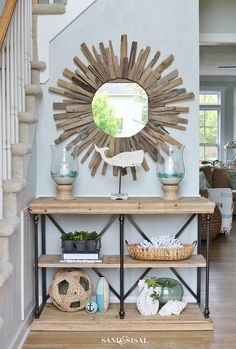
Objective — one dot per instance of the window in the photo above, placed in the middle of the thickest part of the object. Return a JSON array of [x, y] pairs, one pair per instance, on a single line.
[[210, 108]]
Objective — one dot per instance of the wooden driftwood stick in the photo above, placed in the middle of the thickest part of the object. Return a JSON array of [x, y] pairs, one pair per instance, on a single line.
[[162, 81], [80, 64], [154, 60], [168, 85], [100, 61], [68, 73], [79, 123], [63, 105], [142, 62], [184, 96], [170, 108], [123, 48], [136, 65], [151, 80], [86, 79], [146, 75], [165, 64], [117, 67], [66, 93], [169, 94], [102, 50], [169, 119], [88, 54], [96, 165], [71, 120], [110, 64], [124, 67], [64, 136], [83, 85], [78, 108], [87, 154], [132, 56], [64, 116]]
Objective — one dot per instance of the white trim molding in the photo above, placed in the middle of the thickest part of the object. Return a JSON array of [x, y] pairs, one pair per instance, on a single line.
[[217, 39]]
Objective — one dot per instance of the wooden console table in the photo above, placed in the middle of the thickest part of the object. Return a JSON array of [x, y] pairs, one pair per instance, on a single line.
[[51, 318]]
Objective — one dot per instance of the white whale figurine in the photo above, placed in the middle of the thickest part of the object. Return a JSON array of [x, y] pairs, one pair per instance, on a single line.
[[125, 159]]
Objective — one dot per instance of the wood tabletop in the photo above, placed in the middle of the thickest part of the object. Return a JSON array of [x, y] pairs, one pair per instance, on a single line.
[[134, 205]]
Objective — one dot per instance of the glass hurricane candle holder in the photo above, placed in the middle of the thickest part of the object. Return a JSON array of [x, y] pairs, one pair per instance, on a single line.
[[64, 170], [170, 170], [230, 154]]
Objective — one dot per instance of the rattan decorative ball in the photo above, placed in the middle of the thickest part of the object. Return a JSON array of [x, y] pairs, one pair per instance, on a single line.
[[70, 290]]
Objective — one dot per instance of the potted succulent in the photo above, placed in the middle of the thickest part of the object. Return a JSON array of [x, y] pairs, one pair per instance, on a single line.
[[67, 242], [80, 238], [93, 242]]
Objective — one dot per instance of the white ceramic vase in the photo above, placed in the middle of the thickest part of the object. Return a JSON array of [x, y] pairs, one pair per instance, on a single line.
[[145, 303]]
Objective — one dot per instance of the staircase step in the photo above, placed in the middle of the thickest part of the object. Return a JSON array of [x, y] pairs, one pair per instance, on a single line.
[[33, 90], [14, 185], [49, 9], [9, 225], [38, 65], [21, 149], [4, 249], [5, 272], [27, 118]]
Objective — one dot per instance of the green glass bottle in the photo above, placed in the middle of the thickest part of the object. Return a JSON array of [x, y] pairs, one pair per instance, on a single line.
[[171, 290]]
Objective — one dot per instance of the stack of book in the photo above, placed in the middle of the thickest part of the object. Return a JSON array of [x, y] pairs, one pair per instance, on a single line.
[[81, 258]]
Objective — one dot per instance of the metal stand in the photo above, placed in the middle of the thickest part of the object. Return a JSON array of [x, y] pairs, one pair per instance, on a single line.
[[206, 310], [122, 312], [119, 195], [36, 268], [121, 296]]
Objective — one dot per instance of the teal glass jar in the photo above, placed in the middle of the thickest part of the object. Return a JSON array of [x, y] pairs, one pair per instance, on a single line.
[[64, 170], [171, 290], [170, 166]]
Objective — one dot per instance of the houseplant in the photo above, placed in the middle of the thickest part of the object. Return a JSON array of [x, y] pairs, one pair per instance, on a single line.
[[93, 242], [80, 241], [87, 241], [67, 242]]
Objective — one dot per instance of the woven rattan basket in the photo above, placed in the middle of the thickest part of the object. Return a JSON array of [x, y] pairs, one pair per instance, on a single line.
[[215, 224], [160, 254]]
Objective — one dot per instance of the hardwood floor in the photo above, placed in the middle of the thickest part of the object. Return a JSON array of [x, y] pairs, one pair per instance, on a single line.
[[222, 307]]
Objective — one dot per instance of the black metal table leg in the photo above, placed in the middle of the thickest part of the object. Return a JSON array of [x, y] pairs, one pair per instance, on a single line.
[[43, 242], [36, 268], [199, 250], [122, 311], [206, 310]]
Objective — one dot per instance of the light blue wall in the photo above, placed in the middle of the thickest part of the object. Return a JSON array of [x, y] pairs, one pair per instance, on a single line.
[[156, 23]]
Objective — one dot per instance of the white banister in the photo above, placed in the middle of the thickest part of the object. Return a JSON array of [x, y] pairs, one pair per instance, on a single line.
[[15, 73]]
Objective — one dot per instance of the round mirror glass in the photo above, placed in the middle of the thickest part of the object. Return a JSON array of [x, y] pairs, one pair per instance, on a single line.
[[120, 109]]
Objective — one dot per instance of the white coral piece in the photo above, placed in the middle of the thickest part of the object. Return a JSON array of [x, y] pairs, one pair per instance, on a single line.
[[162, 241], [172, 308]]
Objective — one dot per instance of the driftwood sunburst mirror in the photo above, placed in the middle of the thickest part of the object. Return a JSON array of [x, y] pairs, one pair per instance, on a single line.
[[121, 102]]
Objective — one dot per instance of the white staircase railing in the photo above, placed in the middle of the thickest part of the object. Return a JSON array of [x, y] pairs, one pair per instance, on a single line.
[[15, 73]]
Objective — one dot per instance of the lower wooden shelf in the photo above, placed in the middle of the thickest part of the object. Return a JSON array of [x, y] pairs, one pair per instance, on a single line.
[[53, 319]]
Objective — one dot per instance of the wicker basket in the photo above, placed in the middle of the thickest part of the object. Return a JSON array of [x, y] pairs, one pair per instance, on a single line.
[[160, 254], [215, 224]]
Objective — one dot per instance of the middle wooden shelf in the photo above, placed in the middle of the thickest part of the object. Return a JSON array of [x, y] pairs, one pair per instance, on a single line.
[[113, 261]]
